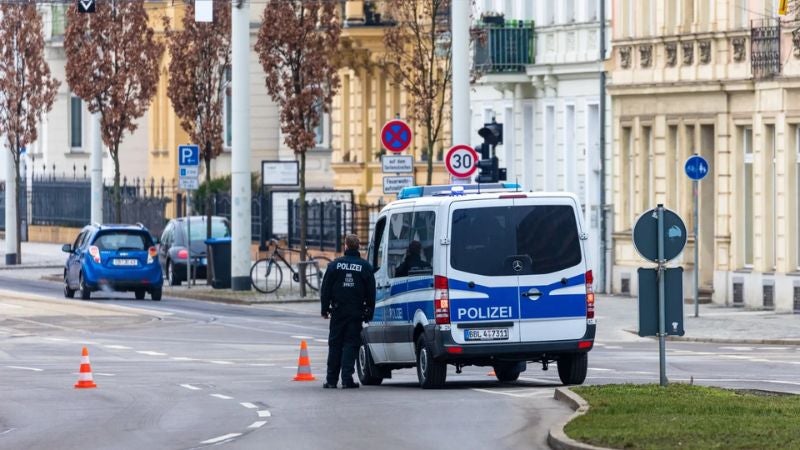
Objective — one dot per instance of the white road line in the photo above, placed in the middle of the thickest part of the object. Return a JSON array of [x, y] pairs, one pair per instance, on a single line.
[[536, 380], [182, 358], [9, 305], [264, 413], [105, 374], [117, 347], [773, 348], [613, 347], [258, 424], [737, 349], [222, 438], [324, 341], [221, 362], [7, 431], [55, 339], [597, 369], [248, 405], [224, 397], [151, 353], [261, 365], [518, 393], [760, 360], [189, 386], [290, 367], [303, 337], [34, 369]]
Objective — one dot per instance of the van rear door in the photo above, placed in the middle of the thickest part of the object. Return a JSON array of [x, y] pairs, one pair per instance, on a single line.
[[552, 268]]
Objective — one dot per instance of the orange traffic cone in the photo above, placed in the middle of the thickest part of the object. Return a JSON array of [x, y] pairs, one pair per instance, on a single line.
[[491, 374], [85, 375], [304, 365]]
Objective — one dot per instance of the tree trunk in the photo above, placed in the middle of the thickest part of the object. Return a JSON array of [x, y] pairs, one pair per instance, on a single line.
[[208, 190], [117, 190], [303, 223]]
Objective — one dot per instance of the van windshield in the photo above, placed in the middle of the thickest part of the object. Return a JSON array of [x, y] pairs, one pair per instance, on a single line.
[[520, 240]]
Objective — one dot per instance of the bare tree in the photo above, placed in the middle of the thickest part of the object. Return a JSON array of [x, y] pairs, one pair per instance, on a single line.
[[27, 89], [112, 64], [418, 55], [201, 57], [297, 44]]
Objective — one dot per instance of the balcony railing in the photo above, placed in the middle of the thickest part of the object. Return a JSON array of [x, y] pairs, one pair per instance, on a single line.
[[765, 51], [504, 49]]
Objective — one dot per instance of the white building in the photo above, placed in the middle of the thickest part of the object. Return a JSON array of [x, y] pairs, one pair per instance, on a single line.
[[540, 78]]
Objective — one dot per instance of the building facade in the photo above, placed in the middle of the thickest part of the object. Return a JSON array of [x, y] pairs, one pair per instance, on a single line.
[[538, 66], [718, 79]]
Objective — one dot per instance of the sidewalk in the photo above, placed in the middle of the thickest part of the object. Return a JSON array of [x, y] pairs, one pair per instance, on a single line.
[[617, 317]]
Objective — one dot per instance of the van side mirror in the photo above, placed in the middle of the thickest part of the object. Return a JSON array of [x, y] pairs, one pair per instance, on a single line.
[[66, 248]]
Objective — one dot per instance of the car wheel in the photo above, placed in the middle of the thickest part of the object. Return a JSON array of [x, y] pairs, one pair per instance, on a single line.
[[172, 277], [86, 294], [139, 294], [431, 374], [507, 372], [155, 294], [368, 372], [572, 368], [68, 293]]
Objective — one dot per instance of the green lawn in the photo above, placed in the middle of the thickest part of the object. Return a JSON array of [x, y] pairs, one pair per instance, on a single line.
[[681, 416]]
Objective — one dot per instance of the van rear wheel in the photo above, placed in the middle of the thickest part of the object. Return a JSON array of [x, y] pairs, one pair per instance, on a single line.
[[507, 373], [431, 374], [367, 370], [572, 368]]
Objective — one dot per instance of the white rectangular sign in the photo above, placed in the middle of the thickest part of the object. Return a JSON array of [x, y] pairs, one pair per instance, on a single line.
[[393, 185], [279, 173], [188, 183], [397, 163], [203, 11], [188, 171]]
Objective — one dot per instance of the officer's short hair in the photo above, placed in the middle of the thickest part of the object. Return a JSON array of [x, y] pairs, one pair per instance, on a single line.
[[351, 242]]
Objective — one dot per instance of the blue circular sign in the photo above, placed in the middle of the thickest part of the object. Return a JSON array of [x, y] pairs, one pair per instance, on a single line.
[[696, 167]]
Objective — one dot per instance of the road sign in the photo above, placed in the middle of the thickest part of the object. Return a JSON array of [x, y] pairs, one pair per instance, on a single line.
[[188, 155], [696, 167], [461, 160], [397, 163], [86, 6], [188, 183], [393, 185], [645, 235], [396, 135], [188, 172], [648, 301], [280, 173]]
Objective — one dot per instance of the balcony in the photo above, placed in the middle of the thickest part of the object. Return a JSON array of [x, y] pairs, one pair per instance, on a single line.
[[765, 51], [504, 46]]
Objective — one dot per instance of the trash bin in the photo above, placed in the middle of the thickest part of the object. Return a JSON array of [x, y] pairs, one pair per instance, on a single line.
[[219, 262]]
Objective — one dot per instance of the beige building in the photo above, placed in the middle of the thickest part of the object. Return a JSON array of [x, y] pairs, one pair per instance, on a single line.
[[720, 79]]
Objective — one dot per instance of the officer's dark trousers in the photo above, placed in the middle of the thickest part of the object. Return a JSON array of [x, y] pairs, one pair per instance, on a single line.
[[343, 342]]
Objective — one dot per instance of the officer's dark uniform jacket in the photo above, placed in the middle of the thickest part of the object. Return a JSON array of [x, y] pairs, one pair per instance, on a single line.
[[348, 288]]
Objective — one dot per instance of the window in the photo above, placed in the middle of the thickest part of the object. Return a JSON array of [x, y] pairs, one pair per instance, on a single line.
[[418, 257], [375, 256], [747, 150], [591, 10], [645, 178], [770, 190], [319, 130], [549, 147], [630, 18], [742, 13], [549, 12], [569, 10], [569, 149], [688, 14], [122, 240], [75, 122], [399, 239], [517, 234], [219, 228], [627, 174], [676, 169]]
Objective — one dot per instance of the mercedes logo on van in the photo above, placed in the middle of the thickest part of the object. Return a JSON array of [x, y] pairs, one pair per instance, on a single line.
[[517, 265]]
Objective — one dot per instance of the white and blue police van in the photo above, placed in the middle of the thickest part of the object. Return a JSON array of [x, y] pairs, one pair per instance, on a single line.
[[482, 275]]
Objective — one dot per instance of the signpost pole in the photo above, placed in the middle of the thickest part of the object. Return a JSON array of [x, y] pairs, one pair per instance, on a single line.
[[662, 333], [189, 239], [695, 187]]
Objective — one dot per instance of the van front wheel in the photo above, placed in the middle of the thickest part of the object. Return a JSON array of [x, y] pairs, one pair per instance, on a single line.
[[572, 368], [367, 370], [431, 374]]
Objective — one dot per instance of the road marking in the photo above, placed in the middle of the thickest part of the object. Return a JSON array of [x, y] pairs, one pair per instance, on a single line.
[[7, 431], [105, 374], [258, 424], [222, 438], [264, 413], [536, 380], [600, 370], [262, 365], [518, 393], [221, 362], [182, 358], [9, 305], [737, 349], [151, 353], [117, 347], [760, 360], [224, 397], [34, 369], [55, 339], [324, 341], [290, 367], [248, 405], [773, 348], [734, 356], [189, 386], [613, 347], [303, 337]]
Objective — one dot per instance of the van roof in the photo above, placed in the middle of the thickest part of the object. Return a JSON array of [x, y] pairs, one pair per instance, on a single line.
[[436, 200]]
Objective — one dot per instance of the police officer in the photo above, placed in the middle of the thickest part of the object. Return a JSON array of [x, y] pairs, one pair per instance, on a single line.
[[348, 298]]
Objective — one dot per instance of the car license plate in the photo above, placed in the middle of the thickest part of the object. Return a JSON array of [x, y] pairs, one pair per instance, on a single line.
[[486, 334], [125, 262]]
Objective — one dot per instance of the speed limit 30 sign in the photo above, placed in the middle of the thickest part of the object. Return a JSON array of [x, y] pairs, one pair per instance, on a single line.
[[461, 161]]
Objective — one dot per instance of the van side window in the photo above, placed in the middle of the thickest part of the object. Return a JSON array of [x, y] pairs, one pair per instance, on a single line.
[[375, 256], [419, 254], [399, 233]]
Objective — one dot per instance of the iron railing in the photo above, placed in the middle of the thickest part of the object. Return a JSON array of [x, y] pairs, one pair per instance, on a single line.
[[765, 51], [503, 49]]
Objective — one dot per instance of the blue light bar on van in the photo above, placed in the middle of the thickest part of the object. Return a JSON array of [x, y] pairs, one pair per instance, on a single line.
[[455, 189]]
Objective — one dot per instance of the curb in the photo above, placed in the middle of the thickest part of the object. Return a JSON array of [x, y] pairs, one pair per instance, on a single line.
[[236, 301], [776, 341], [31, 266], [556, 438]]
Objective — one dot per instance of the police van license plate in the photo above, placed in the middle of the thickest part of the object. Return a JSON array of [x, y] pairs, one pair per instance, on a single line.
[[486, 334]]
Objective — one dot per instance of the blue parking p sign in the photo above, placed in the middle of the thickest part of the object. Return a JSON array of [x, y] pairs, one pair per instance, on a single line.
[[188, 155], [696, 167]]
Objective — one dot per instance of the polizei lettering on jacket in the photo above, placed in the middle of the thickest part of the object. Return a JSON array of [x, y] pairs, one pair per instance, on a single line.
[[348, 266], [485, 312]]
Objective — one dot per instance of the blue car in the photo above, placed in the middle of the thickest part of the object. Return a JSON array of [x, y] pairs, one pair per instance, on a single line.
[[113, 258]]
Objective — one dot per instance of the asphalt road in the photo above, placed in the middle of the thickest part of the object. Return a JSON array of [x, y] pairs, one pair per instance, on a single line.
[[189, 374]]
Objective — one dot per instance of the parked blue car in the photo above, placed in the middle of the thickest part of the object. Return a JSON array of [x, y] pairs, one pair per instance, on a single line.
[[113, 258]]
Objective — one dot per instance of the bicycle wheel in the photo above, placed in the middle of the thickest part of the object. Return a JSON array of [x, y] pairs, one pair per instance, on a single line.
[[315, 272], [266, 275]]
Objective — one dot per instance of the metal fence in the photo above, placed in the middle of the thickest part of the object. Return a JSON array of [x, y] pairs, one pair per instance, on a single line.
[[504, 48], [221, 206], [765, 51], [329, 221]]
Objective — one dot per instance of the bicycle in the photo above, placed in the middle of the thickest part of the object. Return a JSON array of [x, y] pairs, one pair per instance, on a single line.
[[266, 275]]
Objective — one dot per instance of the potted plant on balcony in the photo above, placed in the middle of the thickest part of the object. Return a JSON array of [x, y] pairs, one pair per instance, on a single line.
[[493, 18]]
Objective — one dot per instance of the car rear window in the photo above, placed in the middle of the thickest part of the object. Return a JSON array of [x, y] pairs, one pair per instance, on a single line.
[[114, 240], [219, 229], [489, 241]]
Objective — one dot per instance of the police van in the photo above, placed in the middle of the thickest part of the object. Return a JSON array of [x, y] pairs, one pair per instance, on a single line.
[[482, 275]]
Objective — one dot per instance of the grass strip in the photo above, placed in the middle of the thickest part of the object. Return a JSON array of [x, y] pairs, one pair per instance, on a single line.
[[682, 416]]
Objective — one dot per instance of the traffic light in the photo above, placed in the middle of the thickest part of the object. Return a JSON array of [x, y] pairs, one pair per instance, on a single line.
[[489, 170]]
